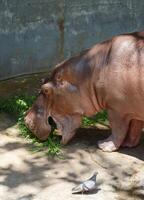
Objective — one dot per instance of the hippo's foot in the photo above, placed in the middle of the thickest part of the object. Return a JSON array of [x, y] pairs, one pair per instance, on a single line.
[[107, 145]]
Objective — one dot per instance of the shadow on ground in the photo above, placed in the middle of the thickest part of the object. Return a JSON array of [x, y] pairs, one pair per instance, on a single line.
[[6, 121], [90, 136]]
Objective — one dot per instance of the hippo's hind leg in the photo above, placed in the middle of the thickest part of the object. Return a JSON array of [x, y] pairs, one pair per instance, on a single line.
[[133, 134], [119, 125]]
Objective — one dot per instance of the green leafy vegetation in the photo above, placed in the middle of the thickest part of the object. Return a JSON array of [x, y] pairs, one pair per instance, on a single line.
[[100, 117], [18, 105]]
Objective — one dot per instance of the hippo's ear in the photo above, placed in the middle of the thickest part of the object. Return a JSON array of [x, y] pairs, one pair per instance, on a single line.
[[47, 89]]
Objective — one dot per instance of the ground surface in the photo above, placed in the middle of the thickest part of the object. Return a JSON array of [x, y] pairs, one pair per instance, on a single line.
[[25, 175]]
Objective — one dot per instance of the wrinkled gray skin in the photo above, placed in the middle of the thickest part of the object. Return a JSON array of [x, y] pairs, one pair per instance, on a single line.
[[110, 75]]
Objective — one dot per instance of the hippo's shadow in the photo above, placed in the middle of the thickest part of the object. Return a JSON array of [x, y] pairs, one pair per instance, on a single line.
[[89, 137]]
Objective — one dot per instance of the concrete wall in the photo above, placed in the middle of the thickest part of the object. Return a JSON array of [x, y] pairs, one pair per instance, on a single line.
[[36, 34]]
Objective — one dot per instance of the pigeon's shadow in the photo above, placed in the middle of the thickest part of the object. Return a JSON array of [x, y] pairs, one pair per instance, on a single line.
[[88, 193]]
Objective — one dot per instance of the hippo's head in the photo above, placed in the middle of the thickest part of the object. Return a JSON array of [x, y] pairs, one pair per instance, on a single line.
[[63, 98], [62, 103]]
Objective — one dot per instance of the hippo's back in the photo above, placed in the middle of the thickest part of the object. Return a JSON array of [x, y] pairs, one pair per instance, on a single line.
[[124, 82]]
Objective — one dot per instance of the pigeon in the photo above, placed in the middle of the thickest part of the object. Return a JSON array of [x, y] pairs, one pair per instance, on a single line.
[[87, 185]]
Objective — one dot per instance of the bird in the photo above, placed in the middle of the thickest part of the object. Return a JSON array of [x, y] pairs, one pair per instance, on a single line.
[[86, 186]]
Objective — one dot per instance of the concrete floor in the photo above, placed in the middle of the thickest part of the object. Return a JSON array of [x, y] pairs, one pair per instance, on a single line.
[[25, 175]]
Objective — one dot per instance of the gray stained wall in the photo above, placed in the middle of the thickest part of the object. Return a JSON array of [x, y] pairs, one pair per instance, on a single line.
[[37, 34]]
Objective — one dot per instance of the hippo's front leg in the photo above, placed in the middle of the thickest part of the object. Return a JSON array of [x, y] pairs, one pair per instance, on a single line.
[[119, 127]]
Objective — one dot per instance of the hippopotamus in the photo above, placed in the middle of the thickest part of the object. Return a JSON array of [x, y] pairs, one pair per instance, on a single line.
[[109, 75]]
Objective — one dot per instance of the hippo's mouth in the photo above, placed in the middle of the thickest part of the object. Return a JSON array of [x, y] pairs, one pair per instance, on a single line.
[[65, 126], [56, 125]]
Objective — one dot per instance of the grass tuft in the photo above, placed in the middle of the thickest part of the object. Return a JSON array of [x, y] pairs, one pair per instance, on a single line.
[[100, 117]]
